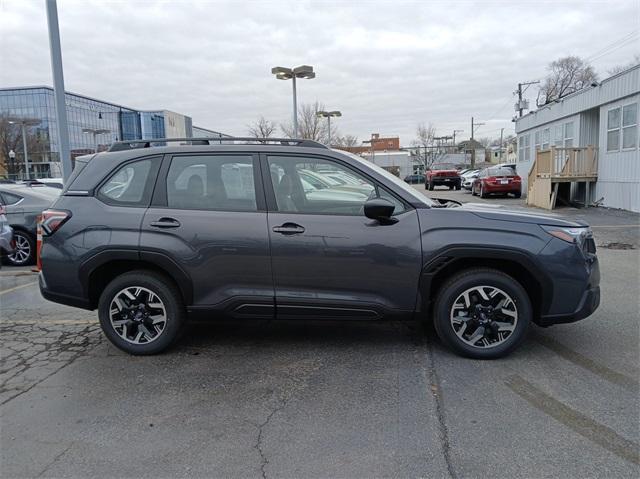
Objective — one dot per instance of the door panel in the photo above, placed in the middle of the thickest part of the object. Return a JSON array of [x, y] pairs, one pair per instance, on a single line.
[[208, 216], [345, 262], [328, 259]]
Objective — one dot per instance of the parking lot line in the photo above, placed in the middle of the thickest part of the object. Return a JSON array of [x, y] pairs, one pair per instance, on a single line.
[[17, 287]]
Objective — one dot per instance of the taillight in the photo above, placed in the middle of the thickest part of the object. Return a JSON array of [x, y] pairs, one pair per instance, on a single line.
[[491, 179], [517, 179], [52, 220]]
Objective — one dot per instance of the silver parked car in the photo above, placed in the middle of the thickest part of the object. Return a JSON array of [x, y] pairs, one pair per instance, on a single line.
[[6, 233], [23, 204]]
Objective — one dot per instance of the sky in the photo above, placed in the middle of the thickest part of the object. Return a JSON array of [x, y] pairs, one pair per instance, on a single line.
[[386, 65]]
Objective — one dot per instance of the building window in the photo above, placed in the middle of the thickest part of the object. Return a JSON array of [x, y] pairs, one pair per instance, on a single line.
[[568, 134], [558, 136], [524, 150], [629, 126], [546, 133], [613, 129], [537, 140]]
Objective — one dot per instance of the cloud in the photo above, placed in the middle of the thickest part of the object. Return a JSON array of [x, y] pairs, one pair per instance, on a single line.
[[385, 65]]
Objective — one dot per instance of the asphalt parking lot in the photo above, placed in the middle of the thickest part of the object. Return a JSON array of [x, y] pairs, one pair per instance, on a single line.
[[325, 399]]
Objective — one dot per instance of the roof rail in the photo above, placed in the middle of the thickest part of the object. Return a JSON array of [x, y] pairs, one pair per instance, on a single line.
[[152, 142]]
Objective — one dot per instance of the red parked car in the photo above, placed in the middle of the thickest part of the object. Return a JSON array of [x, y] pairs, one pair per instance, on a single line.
[[444, 174], [503, 180]]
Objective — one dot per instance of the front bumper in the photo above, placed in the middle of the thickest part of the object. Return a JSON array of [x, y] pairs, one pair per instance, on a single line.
[[445, 180], [588, 304]]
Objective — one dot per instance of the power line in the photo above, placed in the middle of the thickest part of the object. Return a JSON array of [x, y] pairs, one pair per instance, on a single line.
[[620, 42]]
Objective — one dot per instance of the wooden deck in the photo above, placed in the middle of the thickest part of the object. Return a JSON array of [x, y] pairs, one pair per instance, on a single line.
[[560, 165]]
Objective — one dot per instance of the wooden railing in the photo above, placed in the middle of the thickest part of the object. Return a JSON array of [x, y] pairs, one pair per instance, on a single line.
[[567, 162], [557, 165]]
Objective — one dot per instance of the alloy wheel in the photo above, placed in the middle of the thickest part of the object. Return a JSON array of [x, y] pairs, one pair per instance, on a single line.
[[22, 252], [484, 316], [138, 315]]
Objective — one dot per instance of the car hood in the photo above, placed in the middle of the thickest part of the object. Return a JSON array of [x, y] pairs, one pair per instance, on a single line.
[[503, 214]]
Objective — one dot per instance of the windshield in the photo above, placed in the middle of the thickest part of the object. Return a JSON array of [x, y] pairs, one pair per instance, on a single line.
[[391, 177]]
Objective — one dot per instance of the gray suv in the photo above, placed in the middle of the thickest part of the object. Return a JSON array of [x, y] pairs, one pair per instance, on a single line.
[[149, 235]]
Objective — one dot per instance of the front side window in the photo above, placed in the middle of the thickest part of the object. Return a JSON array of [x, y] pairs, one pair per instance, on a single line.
[[211, 182], [630, 126], [130, 185], [613, 129], [319, 186]]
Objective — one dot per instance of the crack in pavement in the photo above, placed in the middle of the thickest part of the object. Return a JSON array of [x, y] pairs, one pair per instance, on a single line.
[[258, 445], [436, 391]]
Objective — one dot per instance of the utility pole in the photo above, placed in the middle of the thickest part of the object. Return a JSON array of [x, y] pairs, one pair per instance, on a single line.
[[454, 136], [520, 105], [501, 132], [473, 149]]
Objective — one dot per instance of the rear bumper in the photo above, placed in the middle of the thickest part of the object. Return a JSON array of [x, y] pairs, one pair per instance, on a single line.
[[75, 301], [588, 304], [510, 188]]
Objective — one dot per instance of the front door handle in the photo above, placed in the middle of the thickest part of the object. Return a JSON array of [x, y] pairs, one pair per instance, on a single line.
[[166, 222], [288, 229]]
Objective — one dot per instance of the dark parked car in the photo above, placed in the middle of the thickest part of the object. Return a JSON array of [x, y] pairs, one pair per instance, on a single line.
[[23, 204], [150, 235], [414, 179], [501, 180], [443, 174]]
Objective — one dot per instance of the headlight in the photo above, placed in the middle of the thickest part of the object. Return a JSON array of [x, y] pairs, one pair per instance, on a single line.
[[570, 235]]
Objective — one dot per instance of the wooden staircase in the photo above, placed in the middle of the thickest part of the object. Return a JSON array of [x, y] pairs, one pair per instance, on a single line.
[[557, 166]]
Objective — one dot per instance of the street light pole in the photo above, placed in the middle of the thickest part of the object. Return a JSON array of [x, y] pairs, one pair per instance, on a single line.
[[283, 73], [24, 123], [58, 88], [328, 115], [95, 132]]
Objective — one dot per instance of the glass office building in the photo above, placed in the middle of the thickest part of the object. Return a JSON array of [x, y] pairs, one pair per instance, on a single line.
[[93, 126]]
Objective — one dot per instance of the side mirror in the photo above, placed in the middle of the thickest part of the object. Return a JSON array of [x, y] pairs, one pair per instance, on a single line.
[[381, 210]]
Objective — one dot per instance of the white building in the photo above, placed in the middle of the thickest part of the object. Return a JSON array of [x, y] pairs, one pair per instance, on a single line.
[[400, 161], [604, 116]]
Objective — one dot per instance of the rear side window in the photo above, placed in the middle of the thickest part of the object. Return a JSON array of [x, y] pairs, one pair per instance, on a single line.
[[212, 182], [9, 199], [131, 184]]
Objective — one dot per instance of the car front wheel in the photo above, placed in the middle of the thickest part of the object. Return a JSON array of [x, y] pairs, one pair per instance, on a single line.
[[25, 251], [482, 313], [141, 312]]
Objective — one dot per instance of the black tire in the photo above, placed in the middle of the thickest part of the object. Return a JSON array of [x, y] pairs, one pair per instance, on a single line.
[[450, 188], [458, 187], [29, 242], [517, 194], [431, 186], [168, 294], [465, 280]]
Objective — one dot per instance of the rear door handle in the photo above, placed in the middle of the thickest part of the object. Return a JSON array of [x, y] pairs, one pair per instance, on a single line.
[[288, 229], [166, 222]]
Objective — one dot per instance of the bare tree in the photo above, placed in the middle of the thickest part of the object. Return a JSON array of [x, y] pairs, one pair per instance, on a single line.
[[310, 126], [346, 141], [620, 68], [425, 135], [261, 128], [567, 75], [485, 141]]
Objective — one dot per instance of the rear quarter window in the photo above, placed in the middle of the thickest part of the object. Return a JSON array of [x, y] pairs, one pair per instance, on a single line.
[[131, 184]]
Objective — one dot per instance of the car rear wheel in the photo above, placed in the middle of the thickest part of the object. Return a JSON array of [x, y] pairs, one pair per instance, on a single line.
[[25, 252], [482, 193], [482, 313], [141, 312], [517, 194]]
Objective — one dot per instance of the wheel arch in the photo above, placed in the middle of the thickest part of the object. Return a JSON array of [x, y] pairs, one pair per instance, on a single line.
[[515, 263], [101, 269]]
